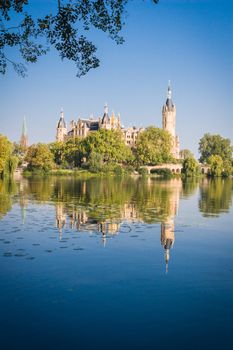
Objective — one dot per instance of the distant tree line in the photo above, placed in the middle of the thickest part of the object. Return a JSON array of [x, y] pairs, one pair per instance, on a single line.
[[102, 151], [106, 151]]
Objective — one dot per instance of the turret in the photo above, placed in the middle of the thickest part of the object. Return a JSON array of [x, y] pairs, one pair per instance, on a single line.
[[106, 120], [169, 113], [61, 128]]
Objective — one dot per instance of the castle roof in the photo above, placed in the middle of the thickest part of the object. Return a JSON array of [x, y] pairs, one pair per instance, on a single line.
[[105, 119], [169, 104], [61, 123]]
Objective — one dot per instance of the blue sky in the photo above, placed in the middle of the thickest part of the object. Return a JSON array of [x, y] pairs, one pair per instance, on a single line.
[[188, 42]]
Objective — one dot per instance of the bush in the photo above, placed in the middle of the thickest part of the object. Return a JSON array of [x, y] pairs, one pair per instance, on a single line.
[[143, 171], [167, 173]]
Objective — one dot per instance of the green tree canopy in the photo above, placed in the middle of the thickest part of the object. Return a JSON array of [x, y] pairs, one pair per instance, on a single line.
[[8, 162], [39, 157], [73, 151], [57, 149], [215, 145], [64, 26], [216, 165], [190, 167], [109, 144], [186, 153], [154, 146]]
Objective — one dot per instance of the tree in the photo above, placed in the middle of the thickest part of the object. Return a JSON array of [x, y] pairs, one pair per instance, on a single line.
[[186, 153], [227, 168], [39, 157], [109, 144], [73, 152], [216, 165], [95, 162], [57, 149], [215, 197], [190, 167], [154, 147], [8, 161], [215, 145], [64, 28]]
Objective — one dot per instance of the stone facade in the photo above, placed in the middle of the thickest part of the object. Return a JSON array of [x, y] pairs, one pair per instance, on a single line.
[[82, 127], [130, 135]]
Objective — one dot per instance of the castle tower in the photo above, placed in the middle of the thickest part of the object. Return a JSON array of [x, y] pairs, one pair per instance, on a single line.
[[61, 128], [169, 121], [167, 238], [168, 225], [24, 136], [106, 121]]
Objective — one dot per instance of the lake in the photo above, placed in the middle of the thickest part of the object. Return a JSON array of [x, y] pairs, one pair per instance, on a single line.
[[116, 263]]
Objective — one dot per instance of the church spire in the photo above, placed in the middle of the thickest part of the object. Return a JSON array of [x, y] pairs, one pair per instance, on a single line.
[[24, 129], [24, 136]]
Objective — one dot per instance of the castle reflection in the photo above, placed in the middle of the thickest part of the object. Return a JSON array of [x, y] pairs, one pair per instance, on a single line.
[[161, 202], [111, 206]]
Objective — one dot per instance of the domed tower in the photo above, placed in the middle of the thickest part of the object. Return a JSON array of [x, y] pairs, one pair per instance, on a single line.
[[169, 121], [61, 128]]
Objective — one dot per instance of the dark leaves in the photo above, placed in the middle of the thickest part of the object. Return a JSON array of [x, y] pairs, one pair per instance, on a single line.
[[64, 31]]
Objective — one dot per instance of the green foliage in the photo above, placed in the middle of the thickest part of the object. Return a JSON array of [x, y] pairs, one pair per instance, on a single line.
[[215, 145], [108, 143], [190, 167], [57, 149], [186, 153], [118, 170], [73, 152], [12, 164], [8, 161], [39, 158], [143, 171], [95, 162], [166, 173], [65, 31], [216, 165], [227, 168], [153, 147]]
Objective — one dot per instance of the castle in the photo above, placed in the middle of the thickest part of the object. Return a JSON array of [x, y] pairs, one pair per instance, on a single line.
[[82, 127]]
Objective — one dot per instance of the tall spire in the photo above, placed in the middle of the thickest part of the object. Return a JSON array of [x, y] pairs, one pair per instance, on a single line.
[[24, 129], [24, 136], [169, 90], [62, 113]]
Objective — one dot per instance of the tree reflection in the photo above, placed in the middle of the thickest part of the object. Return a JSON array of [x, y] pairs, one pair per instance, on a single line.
[[110, 205], [7, 190], [215, 196]]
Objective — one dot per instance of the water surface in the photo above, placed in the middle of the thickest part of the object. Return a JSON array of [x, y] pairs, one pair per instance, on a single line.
[[116, 264]]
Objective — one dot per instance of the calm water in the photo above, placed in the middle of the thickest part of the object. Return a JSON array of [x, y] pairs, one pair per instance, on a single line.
[[116, 264]]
